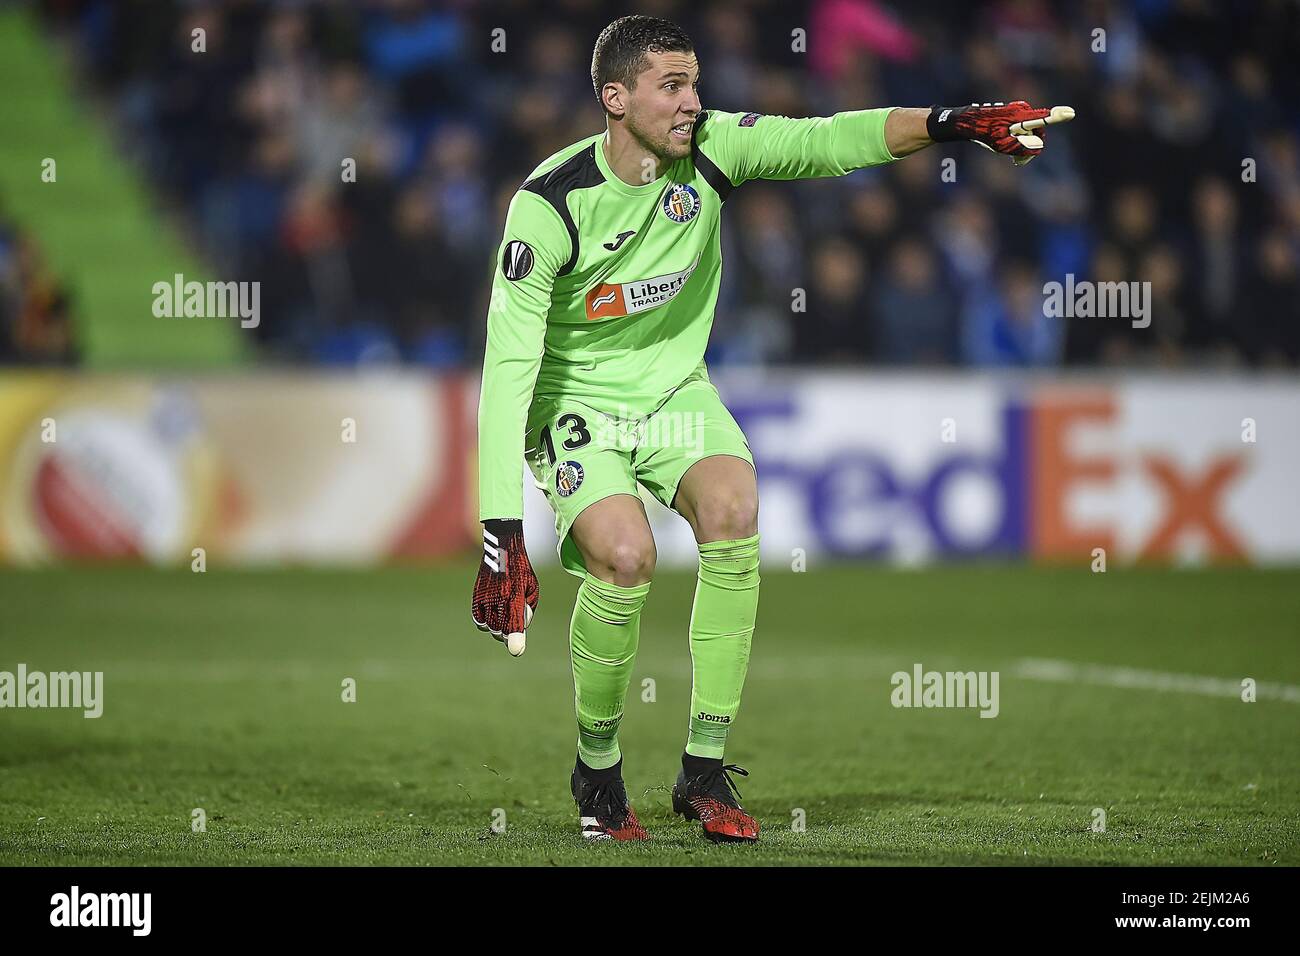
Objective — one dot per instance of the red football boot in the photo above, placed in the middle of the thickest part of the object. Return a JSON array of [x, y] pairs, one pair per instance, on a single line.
[[603, 808], [711, 797]]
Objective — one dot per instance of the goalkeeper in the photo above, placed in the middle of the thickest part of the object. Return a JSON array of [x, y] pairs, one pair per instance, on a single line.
[[602, 301]]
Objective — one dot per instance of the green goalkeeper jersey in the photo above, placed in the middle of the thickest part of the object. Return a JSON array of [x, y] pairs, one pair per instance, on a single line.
[[604, 292]]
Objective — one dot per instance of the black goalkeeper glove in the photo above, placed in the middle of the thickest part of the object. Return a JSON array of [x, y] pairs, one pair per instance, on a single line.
[[506, 592], [1014, 129]]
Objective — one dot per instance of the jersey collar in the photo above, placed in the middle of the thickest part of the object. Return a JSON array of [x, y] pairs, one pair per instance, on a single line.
[[611, 177]]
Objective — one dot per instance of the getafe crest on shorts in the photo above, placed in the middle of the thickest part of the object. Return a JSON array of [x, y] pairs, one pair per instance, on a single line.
[[606, 301], [681, 203], [568, 478]]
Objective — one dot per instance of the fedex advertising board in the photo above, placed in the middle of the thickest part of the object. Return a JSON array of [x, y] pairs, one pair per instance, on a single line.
[[910, 468]]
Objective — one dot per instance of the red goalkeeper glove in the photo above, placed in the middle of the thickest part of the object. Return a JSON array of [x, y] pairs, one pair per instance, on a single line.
[[506, 592], [1014, 129]]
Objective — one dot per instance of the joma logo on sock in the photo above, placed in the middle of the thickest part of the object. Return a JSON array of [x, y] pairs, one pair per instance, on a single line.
[[946, 689], [715, 718], [102, 909], [606, 724]]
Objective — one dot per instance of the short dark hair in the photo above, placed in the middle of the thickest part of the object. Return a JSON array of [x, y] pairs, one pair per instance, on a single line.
[[621, 49]]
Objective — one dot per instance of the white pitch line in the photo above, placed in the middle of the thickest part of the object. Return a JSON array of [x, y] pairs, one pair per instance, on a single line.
[[850, 666], [490, 663], [1132, 678]]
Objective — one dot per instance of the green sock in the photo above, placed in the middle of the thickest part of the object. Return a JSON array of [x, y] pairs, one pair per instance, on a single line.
[[602, 640], [722, 627]]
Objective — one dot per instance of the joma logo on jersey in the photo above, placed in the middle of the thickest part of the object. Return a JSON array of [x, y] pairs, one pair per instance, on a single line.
[[607, 301]]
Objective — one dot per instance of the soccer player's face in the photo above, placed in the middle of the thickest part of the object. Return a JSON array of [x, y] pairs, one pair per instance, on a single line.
[[662, 108]]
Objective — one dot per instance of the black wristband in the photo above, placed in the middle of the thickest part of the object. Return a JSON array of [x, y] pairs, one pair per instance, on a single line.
[[500, 527], [940, 124]]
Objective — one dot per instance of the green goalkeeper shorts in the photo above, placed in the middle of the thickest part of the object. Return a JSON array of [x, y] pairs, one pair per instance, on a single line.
[[579, 455]]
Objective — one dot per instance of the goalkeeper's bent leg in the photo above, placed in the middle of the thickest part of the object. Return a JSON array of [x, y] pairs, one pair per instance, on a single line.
[[603, 638], [722, 628]]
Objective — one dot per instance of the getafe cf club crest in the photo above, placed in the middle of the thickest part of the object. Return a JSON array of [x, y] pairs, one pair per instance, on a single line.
[[568, 478], [681, 203]]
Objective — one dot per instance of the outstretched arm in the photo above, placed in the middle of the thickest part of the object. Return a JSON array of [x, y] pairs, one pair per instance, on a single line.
[[905, 131], [750, 146], [1014, 129]]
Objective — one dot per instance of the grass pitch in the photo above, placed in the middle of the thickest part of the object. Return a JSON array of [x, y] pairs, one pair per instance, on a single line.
[[223, 692]]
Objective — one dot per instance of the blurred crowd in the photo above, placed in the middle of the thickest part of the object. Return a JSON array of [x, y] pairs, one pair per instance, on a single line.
[[35, 305], [1182, 169]]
